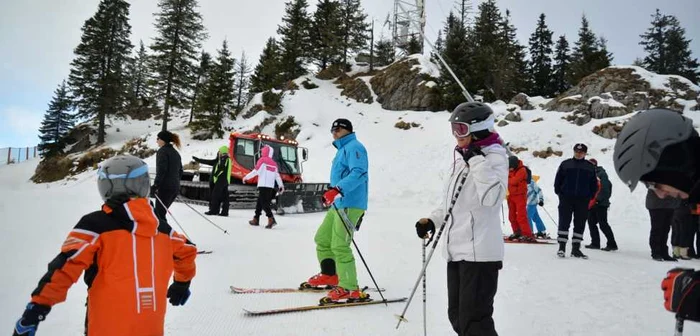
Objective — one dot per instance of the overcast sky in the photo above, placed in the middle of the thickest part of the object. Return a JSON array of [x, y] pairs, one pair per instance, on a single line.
[[37, 37]]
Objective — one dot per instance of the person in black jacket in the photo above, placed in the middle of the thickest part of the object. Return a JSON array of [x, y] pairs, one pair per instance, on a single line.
[[598, 214], [218, 182], [166, 186], [575, 184], [661, 211]]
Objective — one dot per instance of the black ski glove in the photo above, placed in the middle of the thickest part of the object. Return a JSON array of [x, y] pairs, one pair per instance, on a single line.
[[682, 293], [470, 152], [425, 226], [29, 322], [154, 190], [178, 293], [541, 203]]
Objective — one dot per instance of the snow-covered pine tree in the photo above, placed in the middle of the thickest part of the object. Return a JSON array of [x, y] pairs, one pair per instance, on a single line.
[[562, 67], [217, 99], [138, 72], [540, 66], [295, 40], [384, 51], [242, 85], [267, 72], [57, 123], [175, 52], [200, 83], [325, 37], [97, 76]]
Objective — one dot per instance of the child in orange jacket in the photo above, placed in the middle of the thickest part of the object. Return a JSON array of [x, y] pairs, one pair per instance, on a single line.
[[128, 255]]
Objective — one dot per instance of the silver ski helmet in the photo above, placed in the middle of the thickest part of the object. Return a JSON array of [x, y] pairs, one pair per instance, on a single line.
[[472, 117], [123, 175], [641, 142]]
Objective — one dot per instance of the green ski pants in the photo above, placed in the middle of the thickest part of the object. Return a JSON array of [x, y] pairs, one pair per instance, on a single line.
[[333, 242]]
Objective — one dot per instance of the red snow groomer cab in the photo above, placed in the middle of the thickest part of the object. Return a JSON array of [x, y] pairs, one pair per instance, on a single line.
[[244, 151]]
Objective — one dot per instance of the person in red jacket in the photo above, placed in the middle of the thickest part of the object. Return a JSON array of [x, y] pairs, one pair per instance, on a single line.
[[517, 200], [129, 256]]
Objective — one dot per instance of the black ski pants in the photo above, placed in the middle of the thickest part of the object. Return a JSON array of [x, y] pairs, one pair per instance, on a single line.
[[265, 196], [471, 287], [578, 208], [660, 226], [218, 204], [167, 196], [683, 228], [598, 215]]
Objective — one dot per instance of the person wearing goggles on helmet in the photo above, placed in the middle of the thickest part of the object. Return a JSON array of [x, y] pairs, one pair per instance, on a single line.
[[474, 248]]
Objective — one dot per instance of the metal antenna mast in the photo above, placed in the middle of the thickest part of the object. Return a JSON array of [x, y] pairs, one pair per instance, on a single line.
[[406, 15]]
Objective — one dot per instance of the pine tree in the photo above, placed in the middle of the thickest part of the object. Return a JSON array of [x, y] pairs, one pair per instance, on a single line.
[[242, 81], [513, 67], [603, 57], [456, 53], [202, 75], [464, 8], [353, 28], [97, 76], [139, 79], [414, 45], [489, 53], [325, 37], [562, 67], [56, 124], [385, 53], [668, 51], [267, 73], [218, 97], [586, 57], [540, 67], [295, 40], [176, 47]]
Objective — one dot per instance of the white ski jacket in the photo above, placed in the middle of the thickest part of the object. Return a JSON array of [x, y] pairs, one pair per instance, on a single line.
[[266, 170], [473, 231]]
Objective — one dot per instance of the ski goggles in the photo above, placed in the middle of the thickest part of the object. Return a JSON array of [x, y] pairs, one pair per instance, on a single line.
[[460, 130]]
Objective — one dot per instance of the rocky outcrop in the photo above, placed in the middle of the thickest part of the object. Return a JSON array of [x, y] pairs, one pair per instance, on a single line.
[[356, 89], [514, 116], [402, 86], [609, 130], [619, 90], [523, 101]]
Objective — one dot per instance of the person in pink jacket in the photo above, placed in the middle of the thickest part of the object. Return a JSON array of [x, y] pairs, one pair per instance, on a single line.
[[268, 174]]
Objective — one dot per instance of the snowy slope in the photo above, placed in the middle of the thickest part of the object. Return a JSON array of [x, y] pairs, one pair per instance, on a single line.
[[610, 294]]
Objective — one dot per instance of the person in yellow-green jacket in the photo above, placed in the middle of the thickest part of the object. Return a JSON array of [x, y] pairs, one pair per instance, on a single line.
[[220, 179]]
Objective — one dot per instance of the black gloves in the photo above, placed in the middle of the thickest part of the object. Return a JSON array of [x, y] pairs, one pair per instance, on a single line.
[[425, 226], [470, 152], [29, 322], [178, 293], [154, 190], [682, 293], [541, 203]]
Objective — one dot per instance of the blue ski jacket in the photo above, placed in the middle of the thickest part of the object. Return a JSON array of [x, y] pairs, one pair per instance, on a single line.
[[349, 172]]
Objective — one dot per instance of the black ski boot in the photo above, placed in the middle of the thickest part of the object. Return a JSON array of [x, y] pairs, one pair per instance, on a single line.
[[576, 251], [562, 250], [610, 247], [592, 246]]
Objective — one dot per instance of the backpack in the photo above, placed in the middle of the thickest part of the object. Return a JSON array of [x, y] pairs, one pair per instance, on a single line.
[[529, 175]]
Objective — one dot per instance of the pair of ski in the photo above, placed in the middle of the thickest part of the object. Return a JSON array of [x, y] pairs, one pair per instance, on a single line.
[[537, 241], [239, 290]]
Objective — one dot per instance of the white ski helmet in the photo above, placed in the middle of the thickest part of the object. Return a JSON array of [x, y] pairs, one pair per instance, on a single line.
[[123, 175]]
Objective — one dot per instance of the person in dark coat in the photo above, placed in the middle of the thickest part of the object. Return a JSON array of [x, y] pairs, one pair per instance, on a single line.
[[166, 186], [218, 182], [575, 184], [661, 214], [598, 214]]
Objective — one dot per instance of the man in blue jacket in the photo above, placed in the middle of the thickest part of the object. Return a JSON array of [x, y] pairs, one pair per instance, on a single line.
[[575, 184], [349, 179]]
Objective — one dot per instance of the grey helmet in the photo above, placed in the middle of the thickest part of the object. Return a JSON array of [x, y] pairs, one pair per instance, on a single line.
[[639, 146], [471, 113], [123, 175]]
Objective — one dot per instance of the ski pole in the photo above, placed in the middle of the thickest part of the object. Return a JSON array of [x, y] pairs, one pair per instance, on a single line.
[[503, 216], [679, 326], [425, 275], [173, 217], [348, 224], [432, 249], [205, 218], [550, 216]]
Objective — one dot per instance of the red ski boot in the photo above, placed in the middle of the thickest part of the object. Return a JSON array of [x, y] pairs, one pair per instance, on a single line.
[[342, 295], [320, 281]]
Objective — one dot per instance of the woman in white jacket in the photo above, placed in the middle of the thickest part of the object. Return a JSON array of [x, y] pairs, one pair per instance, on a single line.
[[268, 175], [474, 240]]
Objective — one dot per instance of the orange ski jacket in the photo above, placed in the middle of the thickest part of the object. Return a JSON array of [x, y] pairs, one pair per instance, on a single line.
[[517, 180], [129, 257]]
